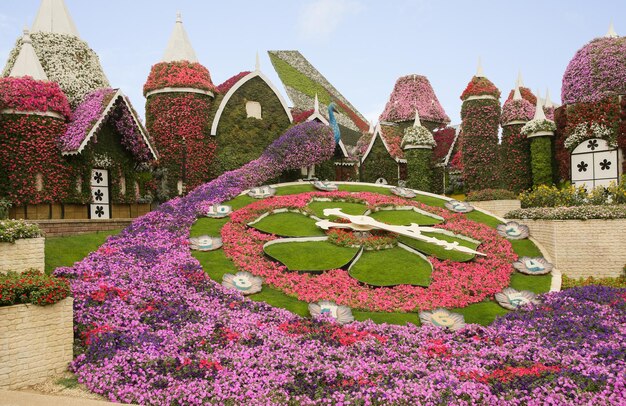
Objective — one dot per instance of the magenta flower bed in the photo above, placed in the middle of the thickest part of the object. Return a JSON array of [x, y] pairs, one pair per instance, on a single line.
[[410, 93], [85, 117], [454, 284], [28, 94], [153, 329]]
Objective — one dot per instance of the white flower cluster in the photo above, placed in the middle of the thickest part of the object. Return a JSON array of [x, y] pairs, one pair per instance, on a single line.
[[68, 61], [102, 161], [418, 136], [535, 126], [585, 131], [570, 213]]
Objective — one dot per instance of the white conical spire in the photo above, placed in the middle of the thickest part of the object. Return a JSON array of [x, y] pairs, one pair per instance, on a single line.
[[257, 63], [316, 106], [417, 122], [53, 16], [479, 69], [27, 63], [517, 95], [611, 32], [539, 114], [548, 103], [520, 81], [372, 127], [179, 47]]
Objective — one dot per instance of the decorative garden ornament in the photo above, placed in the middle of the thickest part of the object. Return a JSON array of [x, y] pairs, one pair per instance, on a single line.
[[205, 243], [381, 181], [244, 282], [533, 265], [403, 192], [218, 211], [459, 207], [511, 299], [442, 318], [513, 230], [342, 314], [326, 186], [262, 192]]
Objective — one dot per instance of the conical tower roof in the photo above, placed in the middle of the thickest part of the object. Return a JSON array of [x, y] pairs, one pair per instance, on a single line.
[[27, 63], [54, 17], [411, 93], [179, 47]]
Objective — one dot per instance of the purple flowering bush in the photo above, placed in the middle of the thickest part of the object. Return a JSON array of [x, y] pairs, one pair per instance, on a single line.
[[84, 118], [152, 328]]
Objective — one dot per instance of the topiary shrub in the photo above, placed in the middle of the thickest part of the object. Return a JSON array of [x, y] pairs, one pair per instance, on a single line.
[[541, 160], [419, 169]]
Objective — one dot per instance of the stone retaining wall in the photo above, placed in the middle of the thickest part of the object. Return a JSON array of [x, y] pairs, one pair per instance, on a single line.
[[70, 227], [23, 254], [583, 248], [497, 207], [35, 342]]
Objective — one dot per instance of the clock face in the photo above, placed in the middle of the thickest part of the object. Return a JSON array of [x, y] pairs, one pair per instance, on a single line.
[[335, 245]]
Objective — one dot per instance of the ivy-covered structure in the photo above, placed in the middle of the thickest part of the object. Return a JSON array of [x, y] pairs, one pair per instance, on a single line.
[[70, 146], [590, 140], [480, 115]]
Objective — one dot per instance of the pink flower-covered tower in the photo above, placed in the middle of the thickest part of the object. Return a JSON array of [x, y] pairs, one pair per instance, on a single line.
[[179, 94], [480, 115]]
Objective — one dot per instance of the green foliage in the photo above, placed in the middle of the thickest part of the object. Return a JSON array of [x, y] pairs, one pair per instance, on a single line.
[[5, 205], [419, 169], [379, 164], [32, 287], [568, 195], [541, 160], [11, 230], [617, 282], [490, 194], [241, 139], [291, 77], [326, 170], [514, 160]]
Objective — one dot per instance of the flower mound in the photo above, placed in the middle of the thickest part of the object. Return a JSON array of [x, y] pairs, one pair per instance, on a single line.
[[179, 74], [480, 86], [454, 284], [413, 92], [418, 136], [28, 94], [597, 70], [517, 110]]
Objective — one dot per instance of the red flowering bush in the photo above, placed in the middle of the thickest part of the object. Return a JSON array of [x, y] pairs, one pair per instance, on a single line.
[[444, 139], [480, 86], [225, 87], [179, 74], [300, 116], [32, 287], [28, 94]]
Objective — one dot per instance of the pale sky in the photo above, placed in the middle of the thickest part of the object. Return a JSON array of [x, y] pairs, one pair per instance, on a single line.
[[361, 46]]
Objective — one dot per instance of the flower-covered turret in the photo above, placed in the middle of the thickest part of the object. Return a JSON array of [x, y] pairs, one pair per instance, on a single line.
[[539, 126], [418, 143], [540, 130], [180, 94], [597, 70], [411, 93], [525, 93], [480, 114]]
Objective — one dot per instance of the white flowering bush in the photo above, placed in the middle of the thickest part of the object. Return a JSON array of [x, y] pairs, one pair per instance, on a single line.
[[570, 213], [66, 60], [11, 230], [585, 131], [418, 136], [535, 126]]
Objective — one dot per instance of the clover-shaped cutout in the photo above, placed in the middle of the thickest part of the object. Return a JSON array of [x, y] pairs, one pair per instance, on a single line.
[[442, 318], [262, 192], [244, 282], [512, 299], [513, 230], [342, 314], [205, 243], [459, 207], [533, 265]]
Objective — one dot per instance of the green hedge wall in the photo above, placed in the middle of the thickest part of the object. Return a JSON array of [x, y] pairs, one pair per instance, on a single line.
[[514, 160], [379, 164], [419, 169], [541, 160]]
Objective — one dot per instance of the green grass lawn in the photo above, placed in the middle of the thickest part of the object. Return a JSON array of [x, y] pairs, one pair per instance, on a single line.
[[311, 255], [208, 226], [395, 266], [404, 218], [65, 251], [288, 225], [354, 209], [440, 252]]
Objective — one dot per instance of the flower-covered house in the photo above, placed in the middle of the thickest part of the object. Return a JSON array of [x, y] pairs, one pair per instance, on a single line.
[[70, 146]]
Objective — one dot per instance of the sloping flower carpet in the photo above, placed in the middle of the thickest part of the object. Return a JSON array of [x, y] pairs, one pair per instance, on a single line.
[[153, 329]]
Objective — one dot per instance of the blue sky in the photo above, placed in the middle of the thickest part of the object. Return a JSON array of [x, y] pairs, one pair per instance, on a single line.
[[361, 46]]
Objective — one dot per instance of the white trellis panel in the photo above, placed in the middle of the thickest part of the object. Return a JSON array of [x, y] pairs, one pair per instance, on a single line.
[[594, 163], [99, 207]]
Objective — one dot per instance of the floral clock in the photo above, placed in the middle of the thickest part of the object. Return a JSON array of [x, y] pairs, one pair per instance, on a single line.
[[243, 282], [368, 251]]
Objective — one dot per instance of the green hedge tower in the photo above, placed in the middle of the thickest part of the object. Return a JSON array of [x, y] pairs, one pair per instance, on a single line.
[[480, 115], [179, 94], [540, 132], [418, 143]]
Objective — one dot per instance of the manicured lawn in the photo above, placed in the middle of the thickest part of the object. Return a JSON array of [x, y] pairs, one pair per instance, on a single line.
[[395, 266], [440, 252], [404, 217], [208, 226], [365, 188], [311, 255], [64, 251], [354, 209], [289, 225], [483, 218]]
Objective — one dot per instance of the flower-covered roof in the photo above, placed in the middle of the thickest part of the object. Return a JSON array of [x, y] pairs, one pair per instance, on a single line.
[[410, 93], [179, 74], [446, 139], [517, 110], [480, 86], [391, 135], [230, 82], [94, 112], [526, 93], [25, 94], [597, 70], [417, 136]]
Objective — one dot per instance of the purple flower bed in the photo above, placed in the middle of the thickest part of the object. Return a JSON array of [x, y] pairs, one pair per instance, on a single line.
[[84, 118], [152, 328]]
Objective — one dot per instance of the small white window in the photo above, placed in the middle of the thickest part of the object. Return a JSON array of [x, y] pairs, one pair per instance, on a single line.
[[253, 109]]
